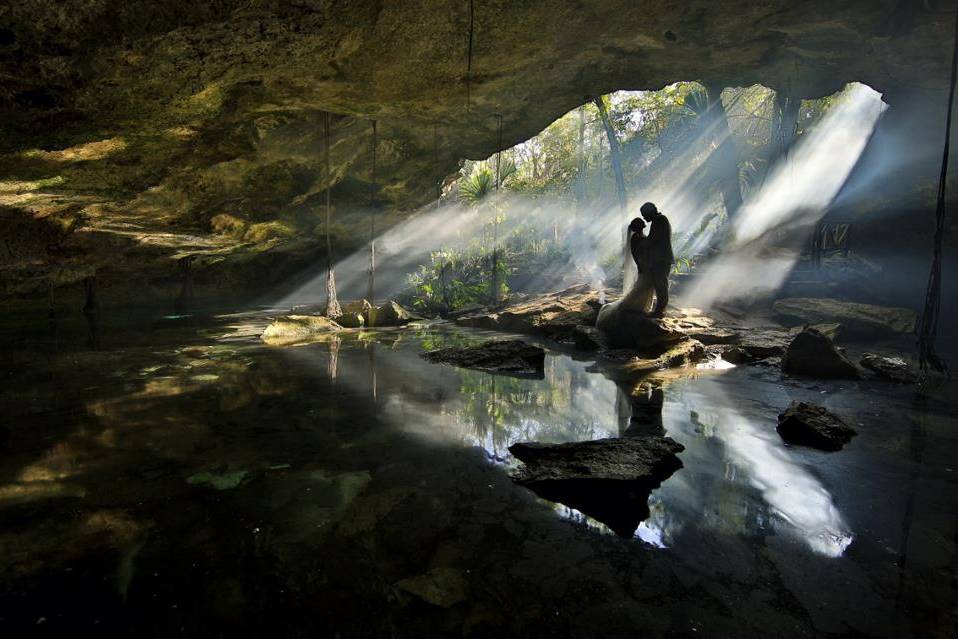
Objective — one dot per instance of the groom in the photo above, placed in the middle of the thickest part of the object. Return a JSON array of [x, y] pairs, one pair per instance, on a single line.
[[660, 257]]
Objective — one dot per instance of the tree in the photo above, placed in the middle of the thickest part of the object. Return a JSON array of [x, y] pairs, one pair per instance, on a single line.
[[614, 152]]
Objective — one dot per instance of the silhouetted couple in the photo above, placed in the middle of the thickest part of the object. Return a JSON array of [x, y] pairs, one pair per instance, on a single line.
[[653, 258]]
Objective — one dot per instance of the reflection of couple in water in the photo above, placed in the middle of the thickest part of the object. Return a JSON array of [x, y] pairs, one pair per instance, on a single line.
[[653, 259]]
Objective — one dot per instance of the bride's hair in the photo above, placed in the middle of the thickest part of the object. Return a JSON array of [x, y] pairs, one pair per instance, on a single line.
[[637, 225]]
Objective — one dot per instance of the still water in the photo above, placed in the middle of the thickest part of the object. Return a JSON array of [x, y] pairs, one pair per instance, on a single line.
[[173, 475]]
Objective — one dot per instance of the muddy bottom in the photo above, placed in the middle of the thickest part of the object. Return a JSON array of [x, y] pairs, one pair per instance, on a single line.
[[174, 476]]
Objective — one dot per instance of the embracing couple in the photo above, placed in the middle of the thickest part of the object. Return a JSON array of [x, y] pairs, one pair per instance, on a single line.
[[653, 259]]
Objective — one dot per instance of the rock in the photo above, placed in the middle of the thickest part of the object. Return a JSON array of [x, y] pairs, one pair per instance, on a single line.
[[351, 320], [392, 314], [607, 479], [632, 330], [760, 343], [293, 328], [830, 330], [812, 354], [442, 586], [553, 315], [894, 369], [627, 365], [588, 338], [220, 481], [805, 424], [513, 357], [855, 319]]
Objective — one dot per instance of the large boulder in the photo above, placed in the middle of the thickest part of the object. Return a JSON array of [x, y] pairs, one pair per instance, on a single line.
[[893, 369], [391, 314], [512, 357], [812, 354], [626, 329], [855, 319], [805, 424], [607, 479], [295, 328]]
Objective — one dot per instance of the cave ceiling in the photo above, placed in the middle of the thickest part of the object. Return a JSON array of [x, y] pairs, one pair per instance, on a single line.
[[139, 132]]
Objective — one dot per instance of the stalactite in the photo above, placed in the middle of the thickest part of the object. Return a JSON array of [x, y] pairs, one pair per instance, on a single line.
[[333, 309], [928, 324]]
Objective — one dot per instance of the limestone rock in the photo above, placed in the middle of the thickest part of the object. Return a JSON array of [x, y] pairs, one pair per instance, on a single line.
[[894, 369], [553, 315], [442, 586], [855, 319], [761, 343], [392, 314], [588, 338], [805, 424], [513, 357], [632, 330], [351, 320], [607, 479], [812, 354], [293, 328], [626, 364]]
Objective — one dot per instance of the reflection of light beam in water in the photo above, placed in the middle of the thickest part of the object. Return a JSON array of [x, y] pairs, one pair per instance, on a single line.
[[754, 457], [796, 194]]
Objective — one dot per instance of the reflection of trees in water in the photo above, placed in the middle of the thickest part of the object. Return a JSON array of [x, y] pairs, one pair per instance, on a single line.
[[568, 405]]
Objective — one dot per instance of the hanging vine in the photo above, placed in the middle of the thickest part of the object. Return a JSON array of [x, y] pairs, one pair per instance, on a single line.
[[928, 325]]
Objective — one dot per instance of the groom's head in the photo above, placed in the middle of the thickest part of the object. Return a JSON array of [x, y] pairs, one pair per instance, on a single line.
[[648, 211]]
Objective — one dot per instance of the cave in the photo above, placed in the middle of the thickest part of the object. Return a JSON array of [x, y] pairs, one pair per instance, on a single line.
[[472, 319]]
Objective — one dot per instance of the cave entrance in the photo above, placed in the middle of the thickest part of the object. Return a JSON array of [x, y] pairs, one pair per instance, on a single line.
[[746, 176]]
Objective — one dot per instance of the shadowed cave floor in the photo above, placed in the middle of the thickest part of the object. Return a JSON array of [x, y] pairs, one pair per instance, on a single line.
[[186, 479]]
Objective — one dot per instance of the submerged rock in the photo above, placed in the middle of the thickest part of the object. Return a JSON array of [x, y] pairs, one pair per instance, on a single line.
[[894, 369], [812, 354], [855, 318], [805, 424], [607, 479], [513, 357], [293, 328]]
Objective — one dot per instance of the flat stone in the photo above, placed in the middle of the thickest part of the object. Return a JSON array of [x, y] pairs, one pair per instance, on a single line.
[[805, 424], [627, 364], [552, 315], [812, 354], [607, 479], [894, 369], [856, 319], [512, 357], [294, 328], [760, 343]]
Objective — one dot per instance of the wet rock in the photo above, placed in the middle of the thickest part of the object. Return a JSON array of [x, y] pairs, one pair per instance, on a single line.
[[831, 330], [553, 315], [219, 481], [856, 319], [805, 424], [293, 328], [627, 364], [894, 369], [513, 357], [351, 320], [607, 479], [588, 338], [392, 314], [812, 354], [760, 343]]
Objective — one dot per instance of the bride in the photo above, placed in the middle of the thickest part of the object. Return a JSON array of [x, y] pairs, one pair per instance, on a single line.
[[636, 281]]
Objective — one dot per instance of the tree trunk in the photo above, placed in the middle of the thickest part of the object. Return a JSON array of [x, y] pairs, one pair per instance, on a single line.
[[333, 310], [726, 155], [614, 153]]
